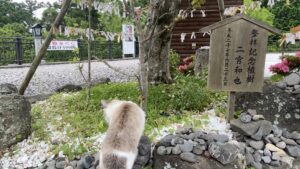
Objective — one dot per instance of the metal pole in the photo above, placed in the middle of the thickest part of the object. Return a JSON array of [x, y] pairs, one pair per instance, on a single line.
[[110, 49], [19, 54], [231, 104], [78, 43]]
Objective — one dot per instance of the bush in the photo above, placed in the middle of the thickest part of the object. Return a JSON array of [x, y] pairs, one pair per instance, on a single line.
[[174, 59], [287, 65], [187, 65], [262, 14]]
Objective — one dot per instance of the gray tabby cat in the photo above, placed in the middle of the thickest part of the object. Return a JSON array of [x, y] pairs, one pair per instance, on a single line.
[[126, 122]]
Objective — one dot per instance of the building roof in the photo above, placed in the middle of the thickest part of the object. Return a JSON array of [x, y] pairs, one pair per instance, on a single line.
[[238, 17]]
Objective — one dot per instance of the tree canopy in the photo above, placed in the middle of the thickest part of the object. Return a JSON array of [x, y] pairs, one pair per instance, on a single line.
[[12, 12]]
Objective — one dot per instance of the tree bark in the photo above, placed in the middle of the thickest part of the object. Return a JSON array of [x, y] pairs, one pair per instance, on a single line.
[[159, 68], [89, 51], [45, 45], [143, 80], [161, 15]]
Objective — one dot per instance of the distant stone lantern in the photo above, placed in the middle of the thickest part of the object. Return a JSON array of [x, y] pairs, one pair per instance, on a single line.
[[37, 35], [37, 30]]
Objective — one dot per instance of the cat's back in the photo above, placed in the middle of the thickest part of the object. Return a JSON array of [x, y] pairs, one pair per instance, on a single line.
[[126, 127]]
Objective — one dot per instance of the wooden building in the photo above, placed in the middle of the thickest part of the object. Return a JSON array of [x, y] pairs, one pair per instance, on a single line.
[[195, 23]]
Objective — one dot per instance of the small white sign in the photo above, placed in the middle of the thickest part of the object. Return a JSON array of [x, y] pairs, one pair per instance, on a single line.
[[63, 45], [128, 40]]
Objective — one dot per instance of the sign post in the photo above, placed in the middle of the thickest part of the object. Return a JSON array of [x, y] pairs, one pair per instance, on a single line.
[[237, 56], [128, 41]]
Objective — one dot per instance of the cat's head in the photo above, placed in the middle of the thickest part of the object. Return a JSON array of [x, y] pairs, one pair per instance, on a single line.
[[112, 109], [109, 107]]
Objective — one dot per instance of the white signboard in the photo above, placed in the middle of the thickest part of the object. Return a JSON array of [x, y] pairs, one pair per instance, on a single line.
[[63, 45], [128, 40]]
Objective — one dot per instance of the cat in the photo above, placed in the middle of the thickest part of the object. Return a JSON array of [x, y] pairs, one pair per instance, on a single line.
[[126, 122]]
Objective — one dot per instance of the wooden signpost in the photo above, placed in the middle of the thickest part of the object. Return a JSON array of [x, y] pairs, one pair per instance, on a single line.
[[238, 47]]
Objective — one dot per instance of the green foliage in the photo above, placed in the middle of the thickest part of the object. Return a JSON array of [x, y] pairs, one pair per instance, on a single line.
[[276, 77], [174, 59], [112, 22], [38, 123], [183, 96], [168, 104], [261, 14], [237, 114], [197, 3], [76, 57], [71, 151], [74, 17], [293, 62], [286, 16], [179, 96], [14, 29], [12, 12], [48, 17], [188, 93]]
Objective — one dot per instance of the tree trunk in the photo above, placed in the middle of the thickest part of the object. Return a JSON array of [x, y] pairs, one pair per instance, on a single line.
[[159, 69], [45, 45], [89, 51], [143, 80]]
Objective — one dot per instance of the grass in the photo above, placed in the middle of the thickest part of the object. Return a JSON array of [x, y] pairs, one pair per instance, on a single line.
[[276, 78], [70, 114]]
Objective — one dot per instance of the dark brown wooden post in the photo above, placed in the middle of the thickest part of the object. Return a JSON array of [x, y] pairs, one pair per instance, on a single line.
[[230, 106]]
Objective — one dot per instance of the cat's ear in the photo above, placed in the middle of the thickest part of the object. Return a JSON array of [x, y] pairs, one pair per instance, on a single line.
[[104, 103]]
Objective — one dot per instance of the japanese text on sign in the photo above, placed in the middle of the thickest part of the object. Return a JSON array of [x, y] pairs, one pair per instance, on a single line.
[[226, 63], [63, 45], [252, 56]]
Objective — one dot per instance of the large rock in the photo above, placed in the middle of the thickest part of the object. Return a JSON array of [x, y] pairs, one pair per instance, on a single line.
[[249, 129], [144, 152], [15, 118], [292, 79], [7, 88], [275, 104], [69, 88], [160, 162], [295, 165], [224, 153], [293, 151], [201, 60]]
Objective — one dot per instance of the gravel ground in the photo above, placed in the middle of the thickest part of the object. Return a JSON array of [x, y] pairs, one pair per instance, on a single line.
[[48, 78]]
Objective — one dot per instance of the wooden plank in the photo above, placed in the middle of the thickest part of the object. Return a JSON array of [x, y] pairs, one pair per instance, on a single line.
[[216, 59], [237, 75], [230, 105]]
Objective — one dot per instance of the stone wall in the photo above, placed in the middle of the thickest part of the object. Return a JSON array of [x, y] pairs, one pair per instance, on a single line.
[[255, 143], [276, 104], [15, 118]]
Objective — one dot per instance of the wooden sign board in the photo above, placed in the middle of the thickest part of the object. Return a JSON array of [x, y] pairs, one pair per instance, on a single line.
[[237, 55], [238, 47]]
